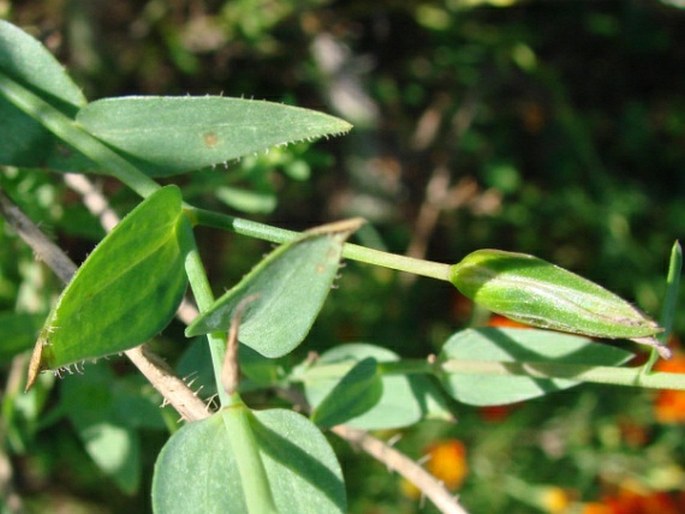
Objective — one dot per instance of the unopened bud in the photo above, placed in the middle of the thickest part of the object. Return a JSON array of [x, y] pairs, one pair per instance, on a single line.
[[538, 293]]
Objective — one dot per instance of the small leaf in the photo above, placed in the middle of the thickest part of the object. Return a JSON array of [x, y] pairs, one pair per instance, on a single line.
[[518, 345], [290, 286], [172, 135], [125, 292], [302, 471], [398, 405], [533, 291], [354, 394]]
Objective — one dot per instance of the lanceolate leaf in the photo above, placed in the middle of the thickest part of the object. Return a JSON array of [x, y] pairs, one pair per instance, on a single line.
[[288, 289], [518, 346], [172, 135], [303, 474], [125, 292]]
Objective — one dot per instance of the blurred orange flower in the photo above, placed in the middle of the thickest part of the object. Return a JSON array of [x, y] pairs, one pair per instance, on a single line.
[[669, 406], [596, 508], [446, 462], [630, 502], [495, 413]]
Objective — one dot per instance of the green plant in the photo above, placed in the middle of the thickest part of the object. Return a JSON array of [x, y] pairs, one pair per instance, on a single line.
[[130, 287]]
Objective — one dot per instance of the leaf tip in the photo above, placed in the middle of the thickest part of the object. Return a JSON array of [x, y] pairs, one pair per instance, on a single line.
[[35, 363]]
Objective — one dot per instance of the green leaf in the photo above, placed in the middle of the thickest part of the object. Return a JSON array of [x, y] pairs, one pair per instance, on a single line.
[[17, 333], [397, 406], [354, 394], [303, 474], [105, 412], [25, 142], [521, 346], [533, 291], [289, 288], [27, 61], [172, 135], [127, 290]]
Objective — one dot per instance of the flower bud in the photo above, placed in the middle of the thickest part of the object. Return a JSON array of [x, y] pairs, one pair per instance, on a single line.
[[538, 293]]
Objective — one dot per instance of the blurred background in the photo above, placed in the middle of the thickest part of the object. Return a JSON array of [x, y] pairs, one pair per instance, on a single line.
[[548, 127]]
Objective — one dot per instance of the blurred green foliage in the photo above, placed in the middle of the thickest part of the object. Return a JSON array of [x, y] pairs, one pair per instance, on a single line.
[[552, 128]]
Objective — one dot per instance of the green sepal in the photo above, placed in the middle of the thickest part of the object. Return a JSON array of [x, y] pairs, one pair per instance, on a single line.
[[533, 291]]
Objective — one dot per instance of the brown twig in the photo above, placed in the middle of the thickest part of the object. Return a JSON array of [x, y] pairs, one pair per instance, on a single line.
[[406, 467], [383, 452]]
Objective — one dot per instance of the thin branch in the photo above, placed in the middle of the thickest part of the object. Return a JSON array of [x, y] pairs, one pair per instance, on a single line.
[[43, 248], [172, 388], [397, 461]]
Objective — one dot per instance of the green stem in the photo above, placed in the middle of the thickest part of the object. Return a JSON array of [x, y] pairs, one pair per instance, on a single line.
[[613, 375], [204, 297], [69, 131], [577, 372], [257, 230], [253, 478]]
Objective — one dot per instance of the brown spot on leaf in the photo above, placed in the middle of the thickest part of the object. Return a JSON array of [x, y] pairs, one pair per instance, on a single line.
[[210, 139]]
